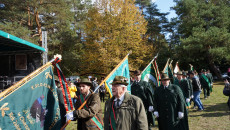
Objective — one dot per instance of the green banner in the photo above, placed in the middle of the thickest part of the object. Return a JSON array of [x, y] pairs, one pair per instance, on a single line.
[[149, 75], [33, 105]]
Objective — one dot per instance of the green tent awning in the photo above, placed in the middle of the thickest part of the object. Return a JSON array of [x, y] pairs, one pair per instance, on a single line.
[[10, 43]]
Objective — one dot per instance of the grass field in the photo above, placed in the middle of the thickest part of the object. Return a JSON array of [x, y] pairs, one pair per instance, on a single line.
[[214, 117]]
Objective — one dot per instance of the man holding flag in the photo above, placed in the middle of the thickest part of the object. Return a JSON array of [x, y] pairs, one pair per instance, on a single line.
[[90, 117]]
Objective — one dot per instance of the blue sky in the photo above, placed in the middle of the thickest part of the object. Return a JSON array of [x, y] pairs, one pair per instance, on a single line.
[[164, 6]]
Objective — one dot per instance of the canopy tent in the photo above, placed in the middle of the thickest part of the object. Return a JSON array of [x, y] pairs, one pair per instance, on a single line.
[[10, 43], [18, 59]]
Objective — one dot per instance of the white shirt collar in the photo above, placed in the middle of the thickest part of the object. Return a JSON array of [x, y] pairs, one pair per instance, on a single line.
[[121, 99]]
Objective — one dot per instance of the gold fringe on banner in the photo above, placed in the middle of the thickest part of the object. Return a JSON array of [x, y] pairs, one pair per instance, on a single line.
[[26, 79]]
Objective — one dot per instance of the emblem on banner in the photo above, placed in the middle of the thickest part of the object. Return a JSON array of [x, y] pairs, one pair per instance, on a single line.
[[48, 75], [4, 108]]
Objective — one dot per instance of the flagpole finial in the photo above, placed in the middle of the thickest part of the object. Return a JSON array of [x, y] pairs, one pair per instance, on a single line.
[[130, 52], [59, 56]]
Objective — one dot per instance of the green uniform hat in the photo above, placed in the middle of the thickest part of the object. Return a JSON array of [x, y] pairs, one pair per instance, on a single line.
[[185, 73], [179, 73], [164, 76], [85, 81], [137, 72], [120, 80]]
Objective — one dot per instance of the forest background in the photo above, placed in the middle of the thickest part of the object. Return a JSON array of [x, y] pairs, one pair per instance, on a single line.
[[95, 37]]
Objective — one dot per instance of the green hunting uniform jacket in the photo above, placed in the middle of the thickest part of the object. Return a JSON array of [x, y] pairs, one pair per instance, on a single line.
[[185, 87], [204, 83], [210, 78], [168, 102], [190, 85], [142, 89], [84, 115], [130, 115]]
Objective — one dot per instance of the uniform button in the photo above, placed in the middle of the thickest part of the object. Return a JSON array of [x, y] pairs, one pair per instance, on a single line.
[[167, 116], [166, 109]]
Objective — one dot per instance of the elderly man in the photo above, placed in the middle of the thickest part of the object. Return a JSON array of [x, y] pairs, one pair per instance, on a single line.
[[90, 116], [169, 106], [124, 111], [144, 91]]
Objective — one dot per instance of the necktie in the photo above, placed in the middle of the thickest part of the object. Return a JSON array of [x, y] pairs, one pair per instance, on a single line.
[[117, 103]]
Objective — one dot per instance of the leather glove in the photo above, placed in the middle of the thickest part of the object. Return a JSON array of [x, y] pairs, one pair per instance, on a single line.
[[69, 116], [192, 96], [156, 114], [151, 109], [180, 115], [187, 100]]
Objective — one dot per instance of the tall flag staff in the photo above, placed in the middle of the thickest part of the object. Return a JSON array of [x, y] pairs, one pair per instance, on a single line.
[[122, 69], [165, 70], [158, 76], [191, 67], [149, 73], [176, 69]]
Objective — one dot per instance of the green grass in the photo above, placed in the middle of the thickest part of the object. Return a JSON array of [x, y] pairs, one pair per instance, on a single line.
[[214, 117]]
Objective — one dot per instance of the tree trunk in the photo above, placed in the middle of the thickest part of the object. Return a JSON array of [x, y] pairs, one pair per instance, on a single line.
[[39, 28], [213, 67]]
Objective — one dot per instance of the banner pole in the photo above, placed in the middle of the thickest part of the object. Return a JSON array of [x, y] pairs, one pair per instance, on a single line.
[[150, 63]]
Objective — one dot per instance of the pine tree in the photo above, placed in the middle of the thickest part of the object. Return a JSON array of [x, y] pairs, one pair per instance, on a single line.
[[204, 30]]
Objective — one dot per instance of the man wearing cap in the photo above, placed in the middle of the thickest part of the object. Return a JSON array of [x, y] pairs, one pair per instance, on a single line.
[[205, 83], [144, 91], [90, 116], [124, 111], [185, 87], [169, 106]]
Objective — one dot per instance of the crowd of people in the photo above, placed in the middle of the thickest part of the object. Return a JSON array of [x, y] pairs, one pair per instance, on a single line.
[[168, 103]]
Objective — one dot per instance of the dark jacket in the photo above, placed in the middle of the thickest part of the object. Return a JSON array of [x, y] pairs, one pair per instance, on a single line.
[[142, 89], [84, 115], [168, 102], [61, 106], [196, 84], [130, 115], [204, 83], [191, 88], [184, 85], [226, 92]]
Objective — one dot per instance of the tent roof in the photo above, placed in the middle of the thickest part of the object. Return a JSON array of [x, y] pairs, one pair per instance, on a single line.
[[10, 43]]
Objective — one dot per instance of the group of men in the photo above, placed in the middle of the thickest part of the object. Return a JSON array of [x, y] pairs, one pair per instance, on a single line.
[[138, 110]]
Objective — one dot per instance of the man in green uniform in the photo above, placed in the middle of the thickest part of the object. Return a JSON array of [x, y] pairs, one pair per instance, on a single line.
[[185, 87], [142, 89], [169, 106], [210, 78], [186, 77], [90, 116], [124, 111], [205, 83]]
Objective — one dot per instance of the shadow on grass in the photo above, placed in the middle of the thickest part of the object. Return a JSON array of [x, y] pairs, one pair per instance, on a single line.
[[219, 83], [217, 107], [217, 110], [217, 114]]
